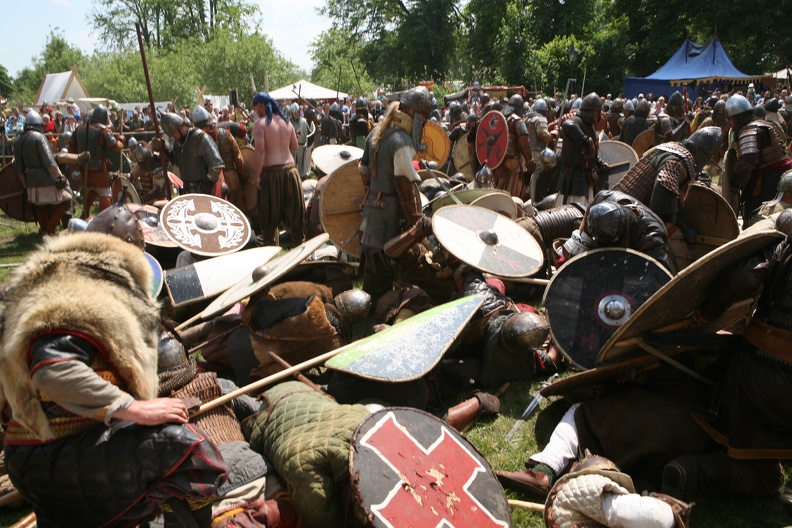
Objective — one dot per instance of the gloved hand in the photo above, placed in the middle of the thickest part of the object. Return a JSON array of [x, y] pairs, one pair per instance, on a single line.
[[579, 242], [689, 232], [157, 144]]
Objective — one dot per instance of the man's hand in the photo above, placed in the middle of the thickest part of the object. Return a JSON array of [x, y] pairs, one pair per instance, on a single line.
[[154, 412], [84, 156]]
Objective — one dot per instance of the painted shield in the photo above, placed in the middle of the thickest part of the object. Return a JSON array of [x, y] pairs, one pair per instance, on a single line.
[[712, 216], [643, 142], [615, 153], [465, 196], [156, 275], [501, 203], [487, 241], [492, 139], [410, 349], [149, 221], [435, 145], [673, 305], [328, 158], [205, 225], [248, 200], [206, 278], [264, 276], [594, 294], [461, 156], [340, 207], [13, 196], [409, 468], [122, 185]]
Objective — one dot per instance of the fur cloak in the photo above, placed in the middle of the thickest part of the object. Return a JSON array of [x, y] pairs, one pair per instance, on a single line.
[[91, 283]]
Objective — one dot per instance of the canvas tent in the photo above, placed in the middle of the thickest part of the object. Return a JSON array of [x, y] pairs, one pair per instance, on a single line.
[[307, 90], [60, 86], [695, 66]]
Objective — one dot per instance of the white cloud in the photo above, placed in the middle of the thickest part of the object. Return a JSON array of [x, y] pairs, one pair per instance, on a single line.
[[61, 3]]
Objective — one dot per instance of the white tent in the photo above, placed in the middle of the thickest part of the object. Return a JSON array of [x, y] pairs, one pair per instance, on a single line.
[[781, 74], [306, 90], [60, 86]]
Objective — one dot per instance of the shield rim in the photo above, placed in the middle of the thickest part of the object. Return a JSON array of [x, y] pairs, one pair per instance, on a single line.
[[325, 164], [353, 247], [441, 134]]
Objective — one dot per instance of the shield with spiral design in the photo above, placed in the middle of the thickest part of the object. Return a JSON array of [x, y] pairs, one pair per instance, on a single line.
[[205, 225]]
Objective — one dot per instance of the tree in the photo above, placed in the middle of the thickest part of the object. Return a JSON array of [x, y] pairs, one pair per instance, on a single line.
[[6, 85], [337, 57], [163, 23]]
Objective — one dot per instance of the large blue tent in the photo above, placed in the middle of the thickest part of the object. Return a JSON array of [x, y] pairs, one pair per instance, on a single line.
[[693, 65]]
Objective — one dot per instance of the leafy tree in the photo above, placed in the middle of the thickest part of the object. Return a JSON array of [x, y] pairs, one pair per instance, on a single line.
[[6, 85], [337, 57], [57, 56]]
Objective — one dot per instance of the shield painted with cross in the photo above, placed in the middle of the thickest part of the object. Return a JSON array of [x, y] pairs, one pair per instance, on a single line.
[[492, 139], [409, 468], [205, 225], [487, 241]]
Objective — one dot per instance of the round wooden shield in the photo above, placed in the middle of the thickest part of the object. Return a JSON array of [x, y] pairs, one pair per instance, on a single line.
[[122, 185], [248, 198], [595, 293], [13, 195], [426, 175], [487, 241], [465, 196], [501, 203], [157, 275], [680, 297], [712, 216], [409, 468], [328, 158], [643, 142], [340, 207], [461, 156], [615, 153], [492, 139], [205, 225], [435, 145], [261, 278]]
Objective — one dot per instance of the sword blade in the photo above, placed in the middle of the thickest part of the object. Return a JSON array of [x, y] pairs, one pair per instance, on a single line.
[[530, 409]]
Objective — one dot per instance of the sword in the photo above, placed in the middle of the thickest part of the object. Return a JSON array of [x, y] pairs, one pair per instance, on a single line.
[[434, 165], [531, 407]]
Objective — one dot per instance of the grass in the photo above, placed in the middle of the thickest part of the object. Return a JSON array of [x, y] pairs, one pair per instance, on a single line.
[[18, 238]]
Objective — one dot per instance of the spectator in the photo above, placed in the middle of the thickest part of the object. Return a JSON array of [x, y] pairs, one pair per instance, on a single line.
[[59, 121]]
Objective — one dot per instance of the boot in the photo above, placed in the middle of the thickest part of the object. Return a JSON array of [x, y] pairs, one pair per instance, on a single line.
[[528, 480], [461, 416]]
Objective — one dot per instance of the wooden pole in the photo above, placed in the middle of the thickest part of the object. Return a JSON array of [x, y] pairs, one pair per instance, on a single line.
[[154, 118], [283, 363], [531, 506], [266, 82]]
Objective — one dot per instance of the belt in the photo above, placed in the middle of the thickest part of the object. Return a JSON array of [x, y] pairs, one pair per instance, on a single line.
[[277, 168], [769, 339]]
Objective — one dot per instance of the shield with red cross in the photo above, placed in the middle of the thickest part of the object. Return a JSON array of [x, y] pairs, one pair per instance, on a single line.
[[410, 468]]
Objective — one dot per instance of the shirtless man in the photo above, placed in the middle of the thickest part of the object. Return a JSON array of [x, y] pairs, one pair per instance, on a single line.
[[280, 198]]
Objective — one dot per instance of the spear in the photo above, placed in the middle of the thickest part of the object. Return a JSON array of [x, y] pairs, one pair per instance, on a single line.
[[154, 118]]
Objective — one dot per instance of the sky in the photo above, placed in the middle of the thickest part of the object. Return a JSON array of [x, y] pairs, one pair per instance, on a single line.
[[292, 25]]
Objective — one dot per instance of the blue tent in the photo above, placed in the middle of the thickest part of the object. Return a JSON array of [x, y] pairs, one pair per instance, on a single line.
[[694, 66]]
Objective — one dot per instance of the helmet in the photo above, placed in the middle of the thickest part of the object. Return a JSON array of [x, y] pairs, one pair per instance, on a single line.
[[617, 106], [629, 107], [294, 109], [141, 153], [736, 105], [119, 221], [712, 101], [759, 111], [33, 121], [354, 305], [170, 353], [417, 99], [548, 158], [607, 221], [707, 139], [676, 99], [171, 122], [516, 102], [773, 105], [785, 183], [484, 178], [200, 117], [784, 221], [540, 106], [642, 109], [99, 116], [361, 103], [591, 102], [132, 143], [63, 140], [524, 331]]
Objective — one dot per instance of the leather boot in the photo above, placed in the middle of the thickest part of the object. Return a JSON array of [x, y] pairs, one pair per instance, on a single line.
[[464, 414], [528, 480]]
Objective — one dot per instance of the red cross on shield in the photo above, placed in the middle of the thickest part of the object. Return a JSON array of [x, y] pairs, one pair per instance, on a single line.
[[412, 483]]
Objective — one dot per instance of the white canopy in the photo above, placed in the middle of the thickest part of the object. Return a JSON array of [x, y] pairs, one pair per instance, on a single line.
[[780, 74], [60, 86], [306, 90]]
